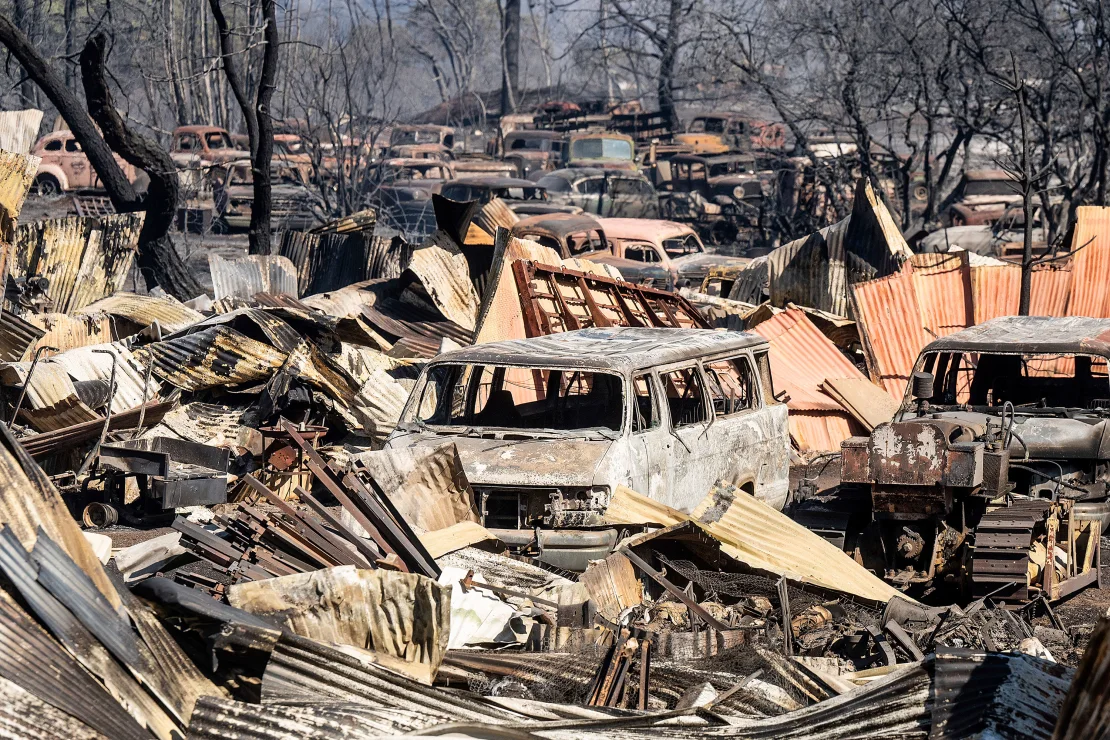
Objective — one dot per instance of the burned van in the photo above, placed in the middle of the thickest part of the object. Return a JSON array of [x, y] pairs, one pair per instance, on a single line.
[[548, 427]]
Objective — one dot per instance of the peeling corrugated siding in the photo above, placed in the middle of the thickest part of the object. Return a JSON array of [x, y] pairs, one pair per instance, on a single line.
[[242, 277], [16, 336], [1091, 263], [326, 262], [889, 319], [214, 356], [996, 291], [85, 259], [444, 273], [19, 130], [66, 332], [943, 286], [172, 315], [494, 215]]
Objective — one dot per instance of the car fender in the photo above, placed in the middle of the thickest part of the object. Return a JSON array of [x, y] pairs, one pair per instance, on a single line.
[[56, 172]]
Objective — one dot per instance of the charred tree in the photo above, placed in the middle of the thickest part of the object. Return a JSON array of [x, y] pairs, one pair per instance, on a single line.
[[157, 255], [256, 113], [161, 264]]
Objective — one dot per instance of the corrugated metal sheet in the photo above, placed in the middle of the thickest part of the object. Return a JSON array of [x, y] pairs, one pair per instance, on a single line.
[[889, 319], [752, 284], [16, 336], [205, 423], [821, 431], [996, 695], [327, 262], [84, 259], [223, 719], [386, 257], [811, 271], [30, 658], [1085, 712], [761, 537], [215, 356], [171, 314], [19, 130], [17, 172], [344, 302], [996, 291], [443, 271], [802, 358], [24, 716], [66, 332], [873, 235], [82, 363], [942, 283], [258, 323], [242, 277], [494, 215], [1091, 264]]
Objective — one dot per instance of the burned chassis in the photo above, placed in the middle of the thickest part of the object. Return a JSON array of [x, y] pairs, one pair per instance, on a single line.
[[967, 486]]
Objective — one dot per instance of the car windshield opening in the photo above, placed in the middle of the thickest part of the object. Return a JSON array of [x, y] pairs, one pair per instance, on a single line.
[[681, 246], [1029, 380], [601, 149], [525, 399]]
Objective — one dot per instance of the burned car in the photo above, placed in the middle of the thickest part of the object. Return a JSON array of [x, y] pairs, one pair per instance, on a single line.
[[548, 427], [580, 235], [293, 204], [523, 197], [676, 246], [992, 478], [980, 197], [616, 193], [724, 196]]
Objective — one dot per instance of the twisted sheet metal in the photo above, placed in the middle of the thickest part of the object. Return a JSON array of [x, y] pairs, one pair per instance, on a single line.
[[66, 332], [27, 717], [172, 315], [996, 291], [85, 259], [445, 275], [30, 658], [1091, 263], [83, 363], [942, 283], [242, 277], [1085, 712], [265, 325], [223, 719], [326, 262], [17, 172], [811, 271], [17, 336], [214, 356], [889, 319]]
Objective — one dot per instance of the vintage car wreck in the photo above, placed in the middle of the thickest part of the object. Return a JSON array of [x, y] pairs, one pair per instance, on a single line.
[[993, 476], [547, 428]]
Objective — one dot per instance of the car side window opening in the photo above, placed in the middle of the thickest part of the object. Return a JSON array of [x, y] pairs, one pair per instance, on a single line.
[[731, 385], [645, 405], [187, 143], [641, 253], [685, 397], [590, 186], [53, 146], [72, 145]]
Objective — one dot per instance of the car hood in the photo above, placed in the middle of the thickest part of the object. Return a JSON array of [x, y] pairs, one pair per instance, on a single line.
[[533, 462], [705, 261]]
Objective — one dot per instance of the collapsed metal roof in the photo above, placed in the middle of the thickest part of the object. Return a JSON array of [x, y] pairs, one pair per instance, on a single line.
[[1041, 334]]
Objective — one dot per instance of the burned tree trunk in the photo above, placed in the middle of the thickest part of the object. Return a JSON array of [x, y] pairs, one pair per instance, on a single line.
[[256, 114], [161, 264], [510, 57], [157, 256]]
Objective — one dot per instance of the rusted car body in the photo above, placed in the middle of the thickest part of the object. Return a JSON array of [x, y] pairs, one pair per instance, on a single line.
[[617, 193], [548, 427], [580, 235], [675, 246], [523, 197], [293, 204], [725, 195], [603, 149], [1000, 451], [207, 144], [533, 150], [64, 167], [980, 197], [406, 141], [717, 133], [401, 189]]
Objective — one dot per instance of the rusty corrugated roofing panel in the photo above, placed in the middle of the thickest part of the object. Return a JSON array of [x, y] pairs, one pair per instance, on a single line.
[[84, 259], [821, 431], [242, 277], [171, 314], [802, 358], [19, 130], [17, 172], [66, 332], [16, 336], [494, 215], [443, 271], [872, 233], [1091, 263], [215, 356], [943, 286], [996, 291], [889, 320]]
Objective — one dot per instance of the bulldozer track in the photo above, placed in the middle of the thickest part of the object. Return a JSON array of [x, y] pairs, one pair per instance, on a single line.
[[1000, 556]]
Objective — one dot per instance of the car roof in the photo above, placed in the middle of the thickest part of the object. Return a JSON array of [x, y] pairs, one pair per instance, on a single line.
[[618, 348], [573, 173], [534, 133], [557, 224], [988, 175], [496, 181], [1030, 334], [648, 229], [199, 129]]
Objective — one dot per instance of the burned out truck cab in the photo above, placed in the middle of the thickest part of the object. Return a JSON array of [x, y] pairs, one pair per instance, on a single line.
[[993, 476], [548, 427]]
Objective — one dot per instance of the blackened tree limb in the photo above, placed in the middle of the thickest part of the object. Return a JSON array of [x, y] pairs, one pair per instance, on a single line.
[[158, 259], [112, 176], [256, 114]]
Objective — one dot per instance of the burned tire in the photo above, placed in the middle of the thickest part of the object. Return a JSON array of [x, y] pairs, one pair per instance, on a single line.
[[47, 186]]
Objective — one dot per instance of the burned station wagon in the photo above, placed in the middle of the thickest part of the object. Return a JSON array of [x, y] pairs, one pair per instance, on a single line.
[[548, 427]]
